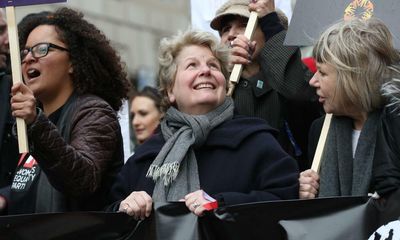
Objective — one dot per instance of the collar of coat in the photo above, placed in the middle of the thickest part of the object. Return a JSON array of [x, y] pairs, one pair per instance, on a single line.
[[229, 134]]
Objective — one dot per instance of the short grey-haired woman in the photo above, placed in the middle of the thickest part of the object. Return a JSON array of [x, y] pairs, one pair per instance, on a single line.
[[202, 148], [356, 82]]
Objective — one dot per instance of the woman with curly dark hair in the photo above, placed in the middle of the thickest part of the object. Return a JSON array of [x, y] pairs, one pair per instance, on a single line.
[[69, 67]]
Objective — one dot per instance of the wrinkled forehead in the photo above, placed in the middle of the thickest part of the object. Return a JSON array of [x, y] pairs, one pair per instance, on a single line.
[[194, 50]]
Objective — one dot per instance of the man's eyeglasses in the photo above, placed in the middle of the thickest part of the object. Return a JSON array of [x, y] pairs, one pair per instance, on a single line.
[[40, 50]]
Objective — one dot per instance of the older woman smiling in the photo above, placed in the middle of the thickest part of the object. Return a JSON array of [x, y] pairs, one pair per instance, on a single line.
[[203, 148]]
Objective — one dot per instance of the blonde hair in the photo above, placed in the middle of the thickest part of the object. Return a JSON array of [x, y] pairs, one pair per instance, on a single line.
[[170, 49], [363, 54]]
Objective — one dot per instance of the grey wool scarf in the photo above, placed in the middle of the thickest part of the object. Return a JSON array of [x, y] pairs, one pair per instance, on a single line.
[[341, 175], [174, 170]]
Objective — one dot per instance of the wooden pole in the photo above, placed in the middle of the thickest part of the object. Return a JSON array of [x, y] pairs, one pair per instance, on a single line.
[[16, 73], [238, 68], [321, 143]]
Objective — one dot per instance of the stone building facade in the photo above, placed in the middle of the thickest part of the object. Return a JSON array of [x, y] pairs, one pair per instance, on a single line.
[[134, 27]]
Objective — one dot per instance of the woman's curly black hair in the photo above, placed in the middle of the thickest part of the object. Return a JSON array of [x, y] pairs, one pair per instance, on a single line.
[[97, 67]]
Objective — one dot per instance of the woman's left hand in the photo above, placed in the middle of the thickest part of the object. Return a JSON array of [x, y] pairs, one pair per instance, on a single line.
[[23, 103], [195, 202]]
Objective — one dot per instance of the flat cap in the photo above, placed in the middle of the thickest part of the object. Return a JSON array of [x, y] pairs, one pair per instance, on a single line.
[[231, 7]]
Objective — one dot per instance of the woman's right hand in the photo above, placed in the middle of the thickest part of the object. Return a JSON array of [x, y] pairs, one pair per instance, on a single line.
[[137, 204], [309, 184], [23, 103]]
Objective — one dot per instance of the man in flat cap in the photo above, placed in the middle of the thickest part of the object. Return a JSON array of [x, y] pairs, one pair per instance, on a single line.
[[274, 82]]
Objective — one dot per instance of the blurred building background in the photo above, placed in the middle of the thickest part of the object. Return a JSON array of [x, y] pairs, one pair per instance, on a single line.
[[134, 27]]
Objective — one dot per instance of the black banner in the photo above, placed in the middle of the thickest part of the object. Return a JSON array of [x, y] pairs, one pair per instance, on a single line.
[[301, 219]]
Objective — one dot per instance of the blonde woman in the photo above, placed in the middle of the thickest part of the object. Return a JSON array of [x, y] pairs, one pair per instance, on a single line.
[[355, 59]]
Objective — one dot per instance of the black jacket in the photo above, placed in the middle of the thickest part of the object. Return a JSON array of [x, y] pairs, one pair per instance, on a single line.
[[386, 168], [240, 162], [79, 158], [8, 143]]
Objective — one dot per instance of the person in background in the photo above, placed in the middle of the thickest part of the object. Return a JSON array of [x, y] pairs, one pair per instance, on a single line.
[[356, 62], [8, 143], [4, 47], [202, 149], [274, 82], [146, 113], [73, 73]]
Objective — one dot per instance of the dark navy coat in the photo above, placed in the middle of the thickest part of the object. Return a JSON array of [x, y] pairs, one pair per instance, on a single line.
[[240, 162]]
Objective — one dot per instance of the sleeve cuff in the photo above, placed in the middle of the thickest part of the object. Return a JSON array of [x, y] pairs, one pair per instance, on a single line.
[[220, 200], [270, 25]]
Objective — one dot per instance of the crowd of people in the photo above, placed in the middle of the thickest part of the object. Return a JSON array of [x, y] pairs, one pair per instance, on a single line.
[[194, 143]]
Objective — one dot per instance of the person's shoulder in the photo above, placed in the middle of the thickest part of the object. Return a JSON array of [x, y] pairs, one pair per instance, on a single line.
[[5, 77], [232, 132], [149, 148], [90, 109], [317, 123], [391, 113], [90, 100], [391, 119], [5, 82], [89, 104], [247, 124]]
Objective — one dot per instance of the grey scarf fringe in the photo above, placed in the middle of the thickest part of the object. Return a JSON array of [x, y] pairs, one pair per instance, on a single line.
[[167, 172]]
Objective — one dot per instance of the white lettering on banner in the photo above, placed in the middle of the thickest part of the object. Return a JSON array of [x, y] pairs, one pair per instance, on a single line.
[[18, 186], [389, 231], [23, 178]]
